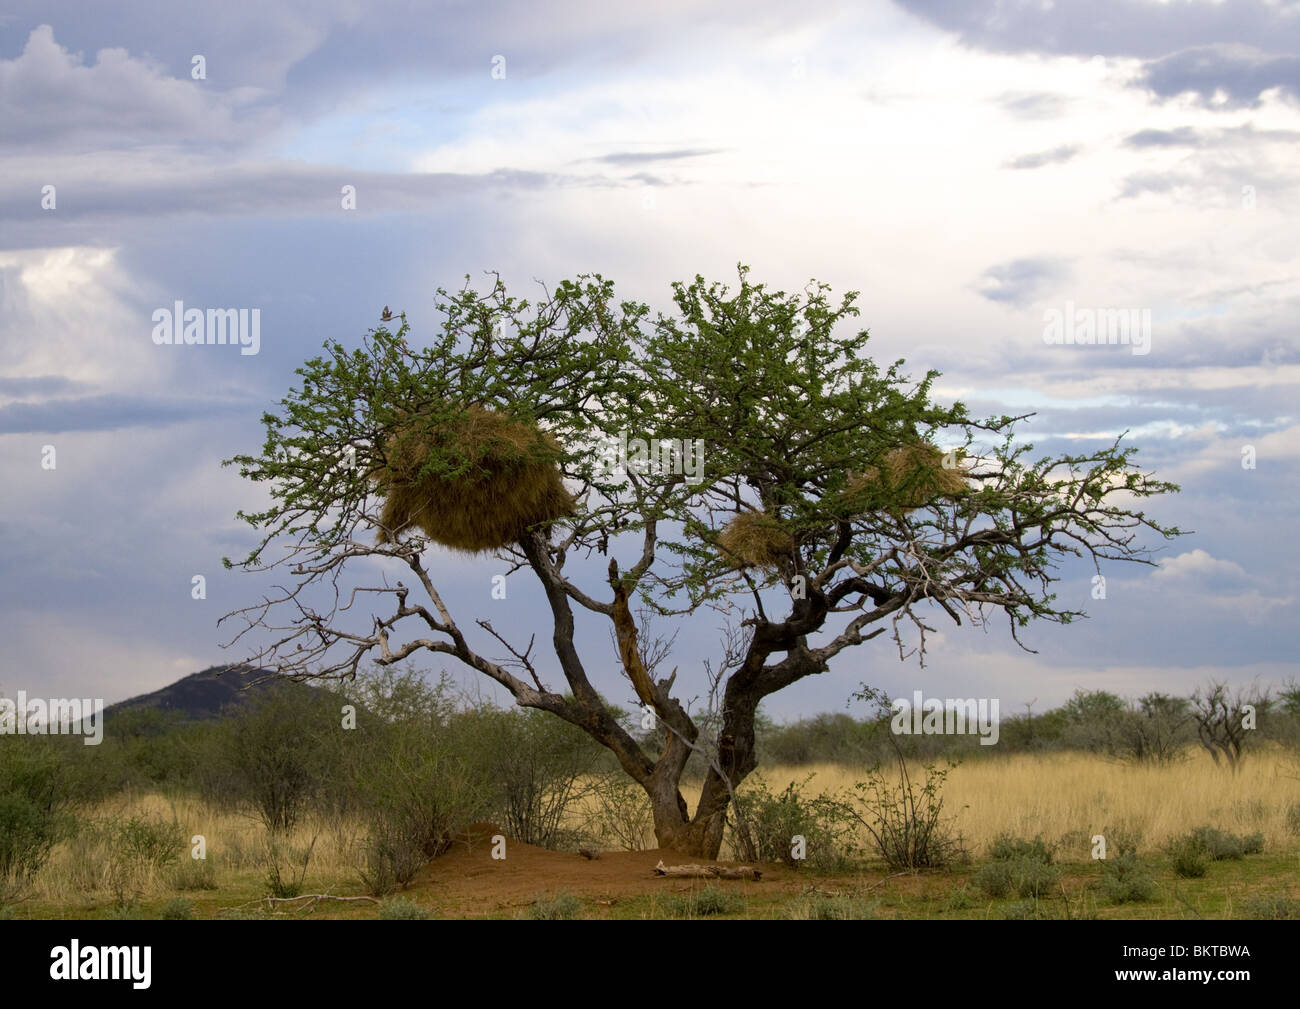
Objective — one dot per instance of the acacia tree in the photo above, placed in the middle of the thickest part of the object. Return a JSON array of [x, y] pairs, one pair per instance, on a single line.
[[788, 408]]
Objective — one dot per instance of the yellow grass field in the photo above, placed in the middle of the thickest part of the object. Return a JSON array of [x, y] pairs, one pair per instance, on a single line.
[[1066, 798]]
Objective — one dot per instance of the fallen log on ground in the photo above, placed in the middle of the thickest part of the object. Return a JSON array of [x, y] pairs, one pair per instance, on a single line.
[[707, 871]]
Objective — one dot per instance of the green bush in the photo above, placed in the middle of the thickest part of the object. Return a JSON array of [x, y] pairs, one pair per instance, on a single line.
[[766, 825], [702, 903], [1006, 847], [561, 907], [841, 909], [1188, 859], [994, 878], [402, 909], [1271, 907], [177, 909], [1024, 867], [1126, 880], [38, 788], [1192, 852]]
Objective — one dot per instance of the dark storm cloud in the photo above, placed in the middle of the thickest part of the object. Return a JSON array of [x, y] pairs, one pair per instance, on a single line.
[[1243, 48], [1240, 73], [1021, 281], [1137, 28], [1055, 156], [108, 412], [39, 385]]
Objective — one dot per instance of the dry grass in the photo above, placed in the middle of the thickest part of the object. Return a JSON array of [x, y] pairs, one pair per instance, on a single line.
[[1063, 795], [1056, 795]]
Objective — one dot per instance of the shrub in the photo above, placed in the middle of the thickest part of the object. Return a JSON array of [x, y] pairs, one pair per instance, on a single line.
[[766, 825], [1271, 907], [1032, 878], [1125, 879], [286, 866], [561, 907], [402, 909], [37, 790], [1192, 852], [620, 812], [1293, 818], [177, 909], [702, 903], [1023, 910], [537, 764], [994, 878], [841, 909], [905, 820], [194, 874], [1006, 847], [1189, 860]]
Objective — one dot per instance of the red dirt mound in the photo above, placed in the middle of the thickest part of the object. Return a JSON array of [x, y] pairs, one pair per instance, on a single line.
[[467, 880]]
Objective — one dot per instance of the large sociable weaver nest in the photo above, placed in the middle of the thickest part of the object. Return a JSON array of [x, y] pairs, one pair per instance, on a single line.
[[510, 481]]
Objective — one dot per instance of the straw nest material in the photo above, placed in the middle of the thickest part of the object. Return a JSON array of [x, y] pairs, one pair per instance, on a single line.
[[754, 539], [511, 481], [908, 478]]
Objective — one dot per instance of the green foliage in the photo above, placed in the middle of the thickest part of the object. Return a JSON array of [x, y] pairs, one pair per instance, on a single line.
[[1271, 907], [402, 909], [177, 909], [559, 907], [1188, 859], [1006, 847], [702, 903], [620, 813], [1018, 865], [905, 819], [38, 789], [1211, 844], [286, 866], [766, 825], [537, 763], [276, 755], [1125, 879]]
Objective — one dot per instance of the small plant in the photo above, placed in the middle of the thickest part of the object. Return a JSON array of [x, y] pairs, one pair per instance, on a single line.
[[994, 878], [402, 909], [1271, 907], [841, 909], [1188, 859], [128, 910], [959, 899], [194, 874], [767, 824], [286, 866], [177, 909], [1023, 910], [391, 855], [1192, 852], [6, 912], [1293, 819], [560, 907], [1006, 847], [1126, 880], [1032, 878], [703, 903]]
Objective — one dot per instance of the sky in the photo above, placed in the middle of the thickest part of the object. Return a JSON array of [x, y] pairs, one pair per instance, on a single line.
[[969, 167]]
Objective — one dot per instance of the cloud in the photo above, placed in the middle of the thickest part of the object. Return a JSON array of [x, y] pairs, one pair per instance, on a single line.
[[1222, 76], [1034, 104], [1021, 281], [1200, 565], [109, 412], [49, 97], [645, 157], [1055, 156]]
